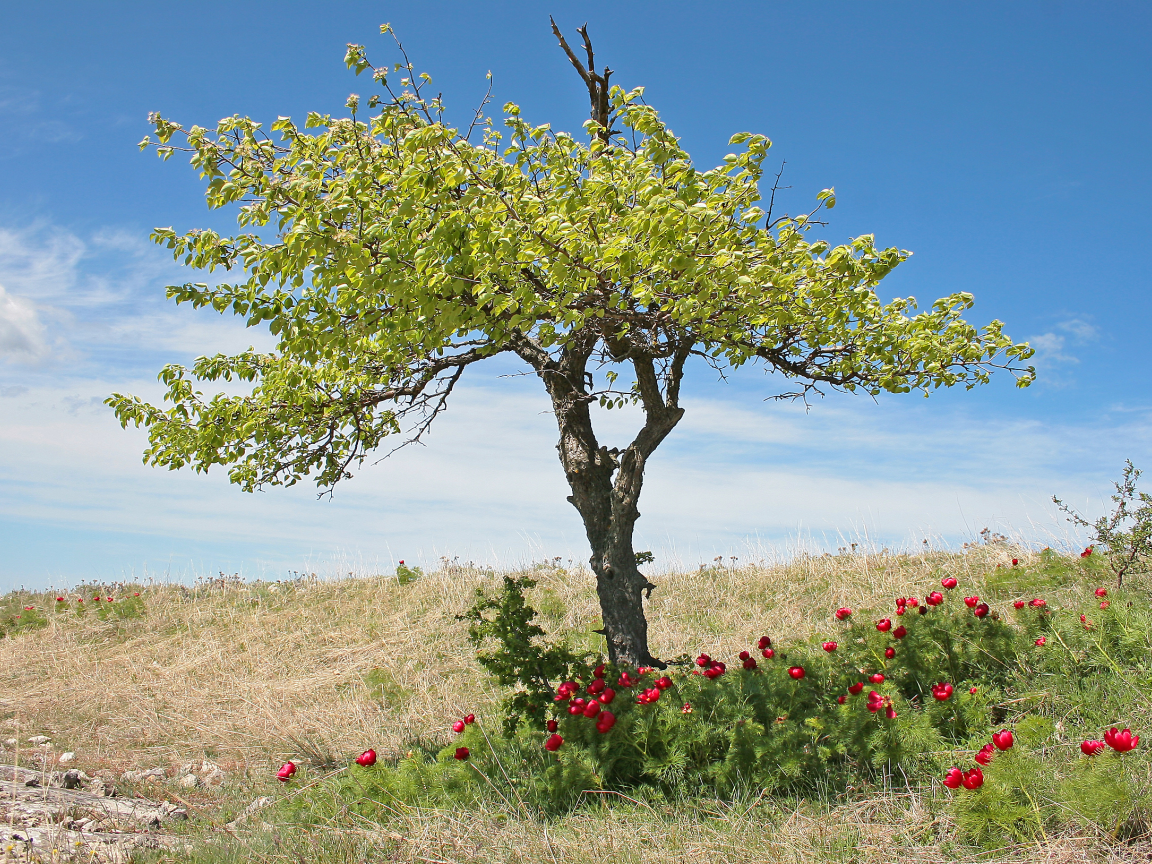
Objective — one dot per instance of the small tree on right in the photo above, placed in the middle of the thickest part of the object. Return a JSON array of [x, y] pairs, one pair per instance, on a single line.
[[1126, 533]]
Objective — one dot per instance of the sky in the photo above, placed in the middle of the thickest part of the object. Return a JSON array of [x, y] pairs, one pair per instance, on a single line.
[[1004, 144]]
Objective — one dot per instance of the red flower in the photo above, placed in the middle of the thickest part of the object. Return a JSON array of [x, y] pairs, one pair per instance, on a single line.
[[973, 779], [593, 708], [953, 778], [876, 678], [1084, 620], [61, 599], [749, 664], [942, 692], [458, 726], [607, 696], [29, 608], [1037, 603], [764, 642], [1019, 604], [985, 755], [949, 582], [889, 653], [1015, 561], [1002, 739], [702, 660], [1104, 604], [598, 672], [884, 625], [567, 689], [462, 753], [551, 725], [769, 653], [797, 672], [553, 743], [605, 722], [913, 602], [855, 688], [366, 759], [575, 709], [626, 679], [843, 613], [981, 610], [830, 647], [1042, 641], [973, 691], [1091, 748], [286, 771], [900, 610], [841, 699], [1100, 592], [1121, 742], [934, 599], [596, 686], [890, 713], [971, 602], [643, 670], [900, 632], [744, 655], [469, 719], [1087, 552]]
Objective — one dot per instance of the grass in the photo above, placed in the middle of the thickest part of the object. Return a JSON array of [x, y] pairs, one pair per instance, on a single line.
[[249, 675]]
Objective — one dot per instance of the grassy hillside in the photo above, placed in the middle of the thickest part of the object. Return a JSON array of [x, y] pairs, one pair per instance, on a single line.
[[248, 675]]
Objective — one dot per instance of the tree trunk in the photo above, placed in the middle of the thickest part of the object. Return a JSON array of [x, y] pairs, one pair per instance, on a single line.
[[606, 487], [606, 483]]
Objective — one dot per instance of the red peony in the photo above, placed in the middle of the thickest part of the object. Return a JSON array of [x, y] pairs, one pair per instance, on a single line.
[[1002, 739], [764, 642], [934, 599], [830, 647], [855, 688], [971, 602], [458, 726], [1018, 604], [900, 632], [286, 771], [973, 779], [1091, 748], [768, 653], [884, 625], [981, 610], [1100, 592], [953, 778], [949, 582], [889, 653], [469, 719], [553, 743], [876, 678], [797, 672], [462, 753], [551, 725], [607, 696], [843, 613], [366, 759], [1121, 742]]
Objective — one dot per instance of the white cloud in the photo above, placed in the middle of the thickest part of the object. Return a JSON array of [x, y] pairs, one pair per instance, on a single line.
[[21, 330]]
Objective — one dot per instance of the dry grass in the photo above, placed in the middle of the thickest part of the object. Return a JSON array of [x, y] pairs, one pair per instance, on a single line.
[[251, 674]]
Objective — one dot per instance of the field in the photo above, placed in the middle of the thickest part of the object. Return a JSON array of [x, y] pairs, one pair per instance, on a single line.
[[246, 676]]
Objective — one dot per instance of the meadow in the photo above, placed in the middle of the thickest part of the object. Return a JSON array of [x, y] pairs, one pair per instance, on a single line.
[[249, 675]]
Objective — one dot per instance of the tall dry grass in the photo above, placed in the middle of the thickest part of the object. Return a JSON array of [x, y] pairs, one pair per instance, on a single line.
[[251, 674]]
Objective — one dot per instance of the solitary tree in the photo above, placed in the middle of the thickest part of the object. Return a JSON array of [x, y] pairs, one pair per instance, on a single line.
[[389, 253]]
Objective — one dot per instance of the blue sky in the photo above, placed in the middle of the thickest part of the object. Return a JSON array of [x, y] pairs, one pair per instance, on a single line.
[[1004, 144]]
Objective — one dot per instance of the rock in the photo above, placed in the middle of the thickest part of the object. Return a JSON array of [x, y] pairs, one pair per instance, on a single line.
[[140, 776], [189, 781], [39, 739], [33, 782], [71, 779], [67, 757], [170, 811]]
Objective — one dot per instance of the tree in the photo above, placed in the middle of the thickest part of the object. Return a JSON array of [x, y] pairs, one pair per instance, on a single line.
[[388, 254]]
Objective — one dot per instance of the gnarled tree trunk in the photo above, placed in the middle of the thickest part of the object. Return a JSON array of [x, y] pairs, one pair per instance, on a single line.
[[606, 483]]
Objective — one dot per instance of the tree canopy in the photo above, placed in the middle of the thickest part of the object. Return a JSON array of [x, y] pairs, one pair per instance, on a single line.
[[388, 251]]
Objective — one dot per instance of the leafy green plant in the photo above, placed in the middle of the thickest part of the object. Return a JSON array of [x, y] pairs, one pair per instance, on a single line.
[[510, 646]]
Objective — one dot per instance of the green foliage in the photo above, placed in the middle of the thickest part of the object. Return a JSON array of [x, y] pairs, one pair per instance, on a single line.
[[508, 644], [406, 574], [1126, 533], [387, 253]]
